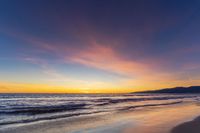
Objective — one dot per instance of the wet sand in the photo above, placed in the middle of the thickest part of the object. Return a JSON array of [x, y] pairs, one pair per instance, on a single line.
[[148, 120], [188, 127]]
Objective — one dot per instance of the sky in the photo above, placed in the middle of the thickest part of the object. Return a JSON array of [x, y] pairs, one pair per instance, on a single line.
[[98, 46]]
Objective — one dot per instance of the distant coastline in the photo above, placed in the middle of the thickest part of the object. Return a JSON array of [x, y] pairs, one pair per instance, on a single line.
[[191, 89]]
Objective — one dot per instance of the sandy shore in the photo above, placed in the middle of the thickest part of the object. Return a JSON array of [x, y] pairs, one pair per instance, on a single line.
[[188, 127], [149, 120]]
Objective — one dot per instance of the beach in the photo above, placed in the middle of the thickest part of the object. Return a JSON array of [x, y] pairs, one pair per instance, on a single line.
[[188, 127], [99, 66], [148, 120]]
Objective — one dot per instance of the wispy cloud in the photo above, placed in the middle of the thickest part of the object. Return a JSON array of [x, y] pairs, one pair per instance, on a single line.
[[105, 58], [99, 56]]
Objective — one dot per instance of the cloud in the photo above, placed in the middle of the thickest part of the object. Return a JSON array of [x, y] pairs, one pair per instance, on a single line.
[[106, 58], [99, 56]]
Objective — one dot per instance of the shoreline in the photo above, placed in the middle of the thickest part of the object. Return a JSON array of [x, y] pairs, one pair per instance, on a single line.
[[148, 120], [188, 127]]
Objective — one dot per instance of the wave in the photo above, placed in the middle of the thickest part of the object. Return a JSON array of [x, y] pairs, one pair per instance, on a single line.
[[34, 110], [148, 105], [27, 109], [116, 101], [54, 117], [46, 118], [44, 109]]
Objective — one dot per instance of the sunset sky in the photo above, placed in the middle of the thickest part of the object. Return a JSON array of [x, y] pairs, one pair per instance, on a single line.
[[98, 46]]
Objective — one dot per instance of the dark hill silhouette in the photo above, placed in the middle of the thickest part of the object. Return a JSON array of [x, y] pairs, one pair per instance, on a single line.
[[191, 89]]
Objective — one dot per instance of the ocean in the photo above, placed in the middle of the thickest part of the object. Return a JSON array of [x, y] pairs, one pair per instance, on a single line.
[[28, 108]]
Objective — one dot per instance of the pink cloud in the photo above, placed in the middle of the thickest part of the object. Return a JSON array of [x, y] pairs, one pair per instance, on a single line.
[[106, 58]]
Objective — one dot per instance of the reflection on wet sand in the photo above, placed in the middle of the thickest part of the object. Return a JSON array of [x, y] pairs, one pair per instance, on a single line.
[[148, 120]]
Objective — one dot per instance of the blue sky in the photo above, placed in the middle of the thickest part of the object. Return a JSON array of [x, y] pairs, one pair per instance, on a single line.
[[99, 45]]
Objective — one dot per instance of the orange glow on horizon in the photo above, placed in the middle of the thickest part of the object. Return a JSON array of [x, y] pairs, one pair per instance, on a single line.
[[6, 87]]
